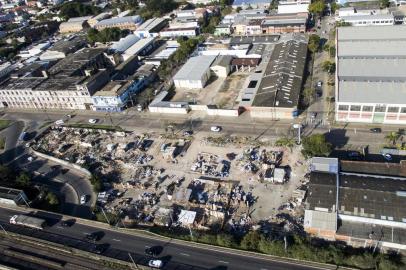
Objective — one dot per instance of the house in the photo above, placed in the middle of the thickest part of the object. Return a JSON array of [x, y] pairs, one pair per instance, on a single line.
[[195, 73], [223, 30], [222, 66], [251, 4], [188, 29], [370, 75]]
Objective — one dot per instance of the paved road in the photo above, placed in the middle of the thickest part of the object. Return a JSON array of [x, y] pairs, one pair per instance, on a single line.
[[176, 255], [69, 184]]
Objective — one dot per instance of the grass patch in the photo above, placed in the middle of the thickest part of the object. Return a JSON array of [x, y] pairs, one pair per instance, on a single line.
[[45, 124], [91, 126], [4, 124], [2, 143]]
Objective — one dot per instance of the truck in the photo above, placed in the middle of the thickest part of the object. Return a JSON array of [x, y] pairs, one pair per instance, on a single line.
[[28, 221]]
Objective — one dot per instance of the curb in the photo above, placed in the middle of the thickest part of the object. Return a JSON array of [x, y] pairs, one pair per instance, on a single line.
[[147, 234]]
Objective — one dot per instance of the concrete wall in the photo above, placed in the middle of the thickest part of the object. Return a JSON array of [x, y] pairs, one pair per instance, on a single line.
[[271, 112], [62, 162], [223, 112], [157, 109]]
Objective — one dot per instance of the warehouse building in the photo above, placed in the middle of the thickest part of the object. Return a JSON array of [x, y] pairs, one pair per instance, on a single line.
[[371, 74], [195, 73], [151, 27], [64, 47], [74, 25], [274, 92], [365, 209], [124, 43], [127, 22]]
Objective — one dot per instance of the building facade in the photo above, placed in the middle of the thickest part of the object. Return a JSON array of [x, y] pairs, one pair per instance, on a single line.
[[371, 74]]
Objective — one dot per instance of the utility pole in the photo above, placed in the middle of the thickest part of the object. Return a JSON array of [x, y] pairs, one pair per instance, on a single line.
[[132, 260], [105, 216], [1, 226]]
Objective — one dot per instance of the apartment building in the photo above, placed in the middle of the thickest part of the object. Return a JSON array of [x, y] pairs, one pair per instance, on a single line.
[[68, 84]]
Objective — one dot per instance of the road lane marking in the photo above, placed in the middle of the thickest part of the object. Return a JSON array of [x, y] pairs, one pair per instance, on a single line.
[[118, 240], [184, 254], [223, 262]]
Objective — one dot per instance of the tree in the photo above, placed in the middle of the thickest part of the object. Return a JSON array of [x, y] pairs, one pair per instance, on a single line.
[[96, 183], [315, 145], [329, 66], [317, 7], [314, 43], [23, 179], [75, 9], [105, 35], [308, 94], [384, 3], [250, 241], [392, 137], [51, 198]]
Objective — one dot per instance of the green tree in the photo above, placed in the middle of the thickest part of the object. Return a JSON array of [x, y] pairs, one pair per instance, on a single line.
[[23, 179], [384, 3], [285, 142], [316, 145], [314, 43], [317, 7], [52, 199], [250, 241], [392, 137], [76, 9], [96, 183], [308, 95], [105, 35], [329, 66]]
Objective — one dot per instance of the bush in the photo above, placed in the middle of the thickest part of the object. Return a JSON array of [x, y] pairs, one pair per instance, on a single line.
[[316, 145], [96, 183]]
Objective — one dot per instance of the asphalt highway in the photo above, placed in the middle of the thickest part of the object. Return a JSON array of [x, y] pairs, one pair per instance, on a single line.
[[174, 254]]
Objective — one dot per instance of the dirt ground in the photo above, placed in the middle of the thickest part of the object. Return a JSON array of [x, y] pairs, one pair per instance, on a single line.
[[222, 92]]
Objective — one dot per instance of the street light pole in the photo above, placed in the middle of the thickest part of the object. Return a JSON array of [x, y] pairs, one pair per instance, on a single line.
[[1, 226], [132, 260]]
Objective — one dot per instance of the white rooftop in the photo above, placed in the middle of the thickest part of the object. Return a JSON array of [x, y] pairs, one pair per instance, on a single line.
[[195, 67]]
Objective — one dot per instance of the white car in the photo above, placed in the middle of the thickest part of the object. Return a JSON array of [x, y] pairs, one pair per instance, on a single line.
[[30, 158], [59, 122], [215, 128], [92, 121], [155, 263], [388, 157], [83, 199]]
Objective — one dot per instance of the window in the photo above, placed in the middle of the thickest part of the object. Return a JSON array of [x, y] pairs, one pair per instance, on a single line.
[[367, 108], [355, 108], [393, 109], [380, 108], [344, 107], [403, 110]]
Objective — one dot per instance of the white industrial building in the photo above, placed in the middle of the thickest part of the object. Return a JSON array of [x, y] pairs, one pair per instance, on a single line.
[[195, 73], [151, 27], [222, 66], [371, 74], [124, 43], [295, 6]]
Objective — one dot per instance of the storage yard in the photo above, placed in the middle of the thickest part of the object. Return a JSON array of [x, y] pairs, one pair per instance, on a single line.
[[183, 181]]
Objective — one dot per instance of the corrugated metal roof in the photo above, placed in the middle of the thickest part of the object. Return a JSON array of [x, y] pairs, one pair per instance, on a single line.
[[195, 67], [381, 32], [125, 43], [139, 46], [320, 220]]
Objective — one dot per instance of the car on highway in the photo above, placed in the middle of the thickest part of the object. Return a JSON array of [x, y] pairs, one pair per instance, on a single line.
[[100, 249], [153, 251], [92, 121], [67, 223], [83, 199], [215, 128], [376, 130], [94, 236], [59, 122], [155, 263]]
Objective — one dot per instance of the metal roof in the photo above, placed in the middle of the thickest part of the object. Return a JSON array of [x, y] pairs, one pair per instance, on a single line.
[[125, 43], [379, 32], [379, 68], [119, 20], [139, 46], [195, 67], [372, 92], [320, 220]]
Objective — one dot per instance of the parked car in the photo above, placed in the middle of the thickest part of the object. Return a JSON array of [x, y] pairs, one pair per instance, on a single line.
[[376, 130], [387, 157], [83, 199], [187, 133], [92, 121], [59, 122], [313, 115], [319, 84], [215, 128], [155, 263], [30, 158]]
